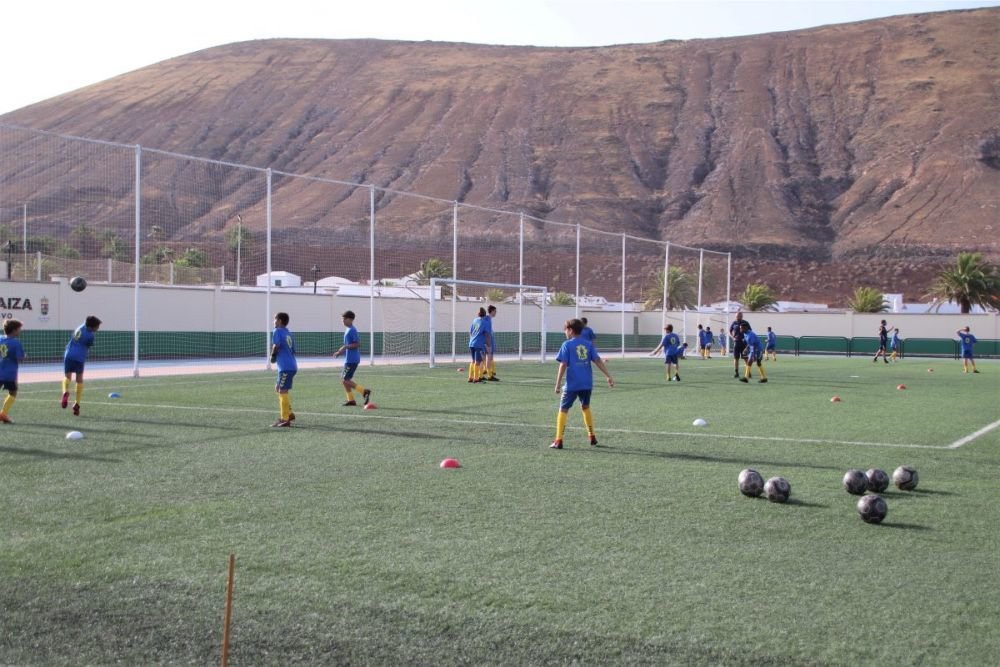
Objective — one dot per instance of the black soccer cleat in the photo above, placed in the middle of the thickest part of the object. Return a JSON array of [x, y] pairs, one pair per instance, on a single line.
[[347, 403], [762, 380], [367, 394], [744, 380], [593, 440], [556, 444]]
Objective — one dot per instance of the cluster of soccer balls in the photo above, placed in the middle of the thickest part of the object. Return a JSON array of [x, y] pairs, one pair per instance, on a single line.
[[872, 508]]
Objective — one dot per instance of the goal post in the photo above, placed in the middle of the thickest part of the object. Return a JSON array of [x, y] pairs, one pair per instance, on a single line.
[[526, 340]]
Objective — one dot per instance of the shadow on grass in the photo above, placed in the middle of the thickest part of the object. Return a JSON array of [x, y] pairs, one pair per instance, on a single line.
[[905, 526], [603, 449], [917, 492], [803, 503], [47, 454]]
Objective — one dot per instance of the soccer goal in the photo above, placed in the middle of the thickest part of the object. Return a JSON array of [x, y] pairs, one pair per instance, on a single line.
[[518, 329]]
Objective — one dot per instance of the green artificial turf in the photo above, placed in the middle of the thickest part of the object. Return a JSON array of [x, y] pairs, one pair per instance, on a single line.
[[353, 546]]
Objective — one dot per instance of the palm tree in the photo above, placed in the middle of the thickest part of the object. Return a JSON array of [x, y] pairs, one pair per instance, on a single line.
[[682, 291], [432, 268], [868, 300], [494, 295], [971, 281], [758, 297]]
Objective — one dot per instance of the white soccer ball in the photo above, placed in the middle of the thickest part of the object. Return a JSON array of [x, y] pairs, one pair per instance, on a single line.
[[872, 509], [905, 478], [74, 435], [777, 489], [699, 422], [878, 480], [855, 482], [751, 483]]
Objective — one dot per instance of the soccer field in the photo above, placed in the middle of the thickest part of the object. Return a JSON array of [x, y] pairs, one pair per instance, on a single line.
[[353, 546]]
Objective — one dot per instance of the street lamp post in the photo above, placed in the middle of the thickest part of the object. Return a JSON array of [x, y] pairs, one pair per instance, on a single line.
[[315, 270]]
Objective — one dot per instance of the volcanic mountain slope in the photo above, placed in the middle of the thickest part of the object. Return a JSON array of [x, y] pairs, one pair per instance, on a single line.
[[825, 145]]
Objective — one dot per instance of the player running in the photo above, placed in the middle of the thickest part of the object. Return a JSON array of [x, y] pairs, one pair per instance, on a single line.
[[75, 357], [754, 353], [671, 346], [351, 349], [11, 353], [883, 343]]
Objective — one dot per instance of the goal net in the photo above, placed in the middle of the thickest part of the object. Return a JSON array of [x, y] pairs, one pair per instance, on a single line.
[[518, 328]]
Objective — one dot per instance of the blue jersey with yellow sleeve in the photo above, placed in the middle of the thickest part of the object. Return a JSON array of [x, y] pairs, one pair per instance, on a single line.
[[671, 344], [11, 353], [282, 338], [578, 354], [477, 334], [353, 354], [79, 344]]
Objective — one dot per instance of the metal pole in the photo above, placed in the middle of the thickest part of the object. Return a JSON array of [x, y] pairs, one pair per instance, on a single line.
[[729, 280], [239, 248], [430, 321], [24, 239], [138, 256], [576, 310], [454, 274], [666, 275], [520, 295], [267, 299], [701, 275], [371, 276], [623, 296]]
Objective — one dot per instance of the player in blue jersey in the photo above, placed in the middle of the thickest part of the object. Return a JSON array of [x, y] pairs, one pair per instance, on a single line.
[[671, 346], [709, 340], [75, 357], [575, 358], [701, 341], [491, 364], [967, 340], [283, 354], [587, 333], [895, 344], [11, 353], [478, 340], [771, 346], [351, 349], [754, 353]]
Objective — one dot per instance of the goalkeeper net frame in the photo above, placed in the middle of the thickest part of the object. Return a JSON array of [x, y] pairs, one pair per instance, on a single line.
[[529, 342]]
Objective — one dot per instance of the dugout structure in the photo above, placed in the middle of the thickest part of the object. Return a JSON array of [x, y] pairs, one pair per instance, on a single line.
[[450, 315]]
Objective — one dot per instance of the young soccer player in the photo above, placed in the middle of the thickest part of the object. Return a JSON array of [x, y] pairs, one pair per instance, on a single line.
[[754, 353], [75, 357], [883, 343], [588, 333], [739, 345], [283, 354], [11, 353], [478, 338], [575, 358], [351, 349], [491, 364], [967, 341], [771, 347], [671, 346], [894, 344], [709, 340], [701, 341]]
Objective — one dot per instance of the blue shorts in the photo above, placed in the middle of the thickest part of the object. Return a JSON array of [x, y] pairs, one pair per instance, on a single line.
[[670, 359], [72, 366], [9, 385], [478, 354], [967, 354], [739, 349], [770, 348], [348, 372], [284, 382], [566, 402]]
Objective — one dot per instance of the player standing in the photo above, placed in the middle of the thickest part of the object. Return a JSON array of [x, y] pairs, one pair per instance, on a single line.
[[283, 354], [967, 341], [587, 333], [894, 344], [575, 358], [739, 345], [477, 346], [670, 344], [75, 357], [754, 353], [771, 347], [351, 349], [491, 364], [709, 339], [11, 353], [883, 343]]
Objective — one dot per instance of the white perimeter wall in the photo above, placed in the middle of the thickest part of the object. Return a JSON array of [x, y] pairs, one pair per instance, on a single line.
[[218, 309]]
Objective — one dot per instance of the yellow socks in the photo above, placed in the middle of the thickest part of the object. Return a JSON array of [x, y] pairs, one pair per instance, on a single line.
[[588, 420], [9, 401], [560, 425], [284, 406], [79, 391], [65, 385]]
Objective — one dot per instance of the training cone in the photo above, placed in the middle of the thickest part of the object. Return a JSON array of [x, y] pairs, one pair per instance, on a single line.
[[370, 406], [460, 370], [901, 386], [835, 399], [699, 422], [114, 394], [930, 370], [74, 435], [450, 463]]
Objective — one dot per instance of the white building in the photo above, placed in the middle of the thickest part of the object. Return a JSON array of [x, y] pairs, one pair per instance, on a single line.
[[279, 279]]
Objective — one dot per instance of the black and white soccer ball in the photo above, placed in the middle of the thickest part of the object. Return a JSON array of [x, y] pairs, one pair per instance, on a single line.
[[905, 478], [878, 480], [777, 489], [751, 483], [872, 508], [855, 482], [78, 284]]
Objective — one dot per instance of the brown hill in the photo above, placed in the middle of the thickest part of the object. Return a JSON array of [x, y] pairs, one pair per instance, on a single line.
[[806, 153]]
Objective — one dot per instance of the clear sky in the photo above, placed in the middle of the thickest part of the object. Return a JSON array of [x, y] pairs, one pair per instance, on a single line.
[[50, 47]]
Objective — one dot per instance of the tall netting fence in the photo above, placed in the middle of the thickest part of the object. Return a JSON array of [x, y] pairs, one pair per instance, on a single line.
[[243, 242]]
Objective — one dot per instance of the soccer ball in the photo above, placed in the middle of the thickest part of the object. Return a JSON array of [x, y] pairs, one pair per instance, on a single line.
[[78, 284], [872, 509], [905, 478], [777, 489], [751, 483], [878, 480], [855, 482]]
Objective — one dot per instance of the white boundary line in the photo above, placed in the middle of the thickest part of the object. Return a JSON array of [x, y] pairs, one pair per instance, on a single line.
[[972, 436], [466, 422]]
